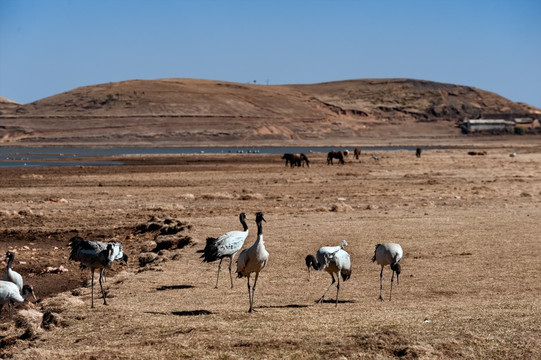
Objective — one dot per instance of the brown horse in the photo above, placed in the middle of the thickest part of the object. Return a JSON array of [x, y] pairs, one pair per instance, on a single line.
[[335, 155], [296, 159], [356, 153]]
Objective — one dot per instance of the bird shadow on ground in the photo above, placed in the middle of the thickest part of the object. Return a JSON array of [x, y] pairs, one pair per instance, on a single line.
[[181, 313], [329, 301], [289, 306], [192, 312], [174, 287]]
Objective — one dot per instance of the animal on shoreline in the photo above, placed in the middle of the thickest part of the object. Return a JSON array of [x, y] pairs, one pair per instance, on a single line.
[[388, 254], [227, 245], [335, 155], [357, 153], [96, 255], [296, 159], [478, 153], [253, 259], [418, 152], [334, 260]]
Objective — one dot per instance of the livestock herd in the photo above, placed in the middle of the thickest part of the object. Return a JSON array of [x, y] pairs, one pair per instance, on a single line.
[[301, 159]]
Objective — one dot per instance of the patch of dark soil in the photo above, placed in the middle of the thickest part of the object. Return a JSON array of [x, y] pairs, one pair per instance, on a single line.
[[36, 250]]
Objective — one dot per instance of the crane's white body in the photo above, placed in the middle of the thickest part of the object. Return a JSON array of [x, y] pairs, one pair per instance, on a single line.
[[227, 245], [96, 255], [253, 259], [388, 254], [11, 275], [9, 293], [334, 260]]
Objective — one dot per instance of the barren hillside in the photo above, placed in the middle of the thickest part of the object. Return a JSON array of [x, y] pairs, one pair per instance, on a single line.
[[187, 112]]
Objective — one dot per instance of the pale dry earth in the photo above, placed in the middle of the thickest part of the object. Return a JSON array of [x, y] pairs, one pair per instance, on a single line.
[[469, 227]]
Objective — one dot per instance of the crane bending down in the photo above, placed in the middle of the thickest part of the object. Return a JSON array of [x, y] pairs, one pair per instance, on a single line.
[[9, 293], [388, 254], [253, 259], [334, 260], [12, 275], [96, 255], [227, 245]]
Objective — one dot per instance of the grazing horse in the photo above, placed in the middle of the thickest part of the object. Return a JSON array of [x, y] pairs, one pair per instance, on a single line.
[[288, 157], [296, 159], [335, 155], [356, 153], [418, 152]]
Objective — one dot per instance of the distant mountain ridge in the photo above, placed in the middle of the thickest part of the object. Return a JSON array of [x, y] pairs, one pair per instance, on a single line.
[[191, 111]]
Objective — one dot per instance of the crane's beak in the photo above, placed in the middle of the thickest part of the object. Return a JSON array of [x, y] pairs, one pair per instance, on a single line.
[[397, 282], [32, 293]]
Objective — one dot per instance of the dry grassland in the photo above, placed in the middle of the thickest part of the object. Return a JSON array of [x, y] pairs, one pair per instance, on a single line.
[[469, 227]]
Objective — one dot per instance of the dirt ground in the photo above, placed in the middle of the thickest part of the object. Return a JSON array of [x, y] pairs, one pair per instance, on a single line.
[[469, 227]]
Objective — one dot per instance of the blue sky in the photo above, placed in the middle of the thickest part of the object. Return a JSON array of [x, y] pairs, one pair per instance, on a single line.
[[52, 46]]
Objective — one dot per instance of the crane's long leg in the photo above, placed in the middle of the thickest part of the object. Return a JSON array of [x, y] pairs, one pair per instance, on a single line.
[[391, 293], [92, 289], [253, 293], [231, 276], [321, 298], [102, 291], [381, 284], [249, 292], [337, 287], [217, 277]]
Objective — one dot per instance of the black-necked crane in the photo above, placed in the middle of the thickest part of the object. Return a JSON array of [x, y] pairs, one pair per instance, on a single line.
[[95, 255], [388, 254], [9, 294], [253, 259], [334, 260], [227, 245], [12, 275]]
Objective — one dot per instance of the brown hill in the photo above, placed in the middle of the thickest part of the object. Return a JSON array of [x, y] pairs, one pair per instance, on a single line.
[[188, 112]]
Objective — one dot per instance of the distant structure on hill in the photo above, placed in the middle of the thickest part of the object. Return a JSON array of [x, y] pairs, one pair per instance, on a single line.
[[481, 125]]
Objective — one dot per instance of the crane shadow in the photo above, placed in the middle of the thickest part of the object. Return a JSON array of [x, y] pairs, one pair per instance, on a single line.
[[192, 313], [181, 313], [330, 301], [289, 306], [174, 287]]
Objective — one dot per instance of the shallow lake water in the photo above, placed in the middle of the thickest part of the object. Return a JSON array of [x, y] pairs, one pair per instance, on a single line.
[[74, 156]]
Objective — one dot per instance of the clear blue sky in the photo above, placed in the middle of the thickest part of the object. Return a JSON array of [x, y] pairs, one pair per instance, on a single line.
[[52, 46]]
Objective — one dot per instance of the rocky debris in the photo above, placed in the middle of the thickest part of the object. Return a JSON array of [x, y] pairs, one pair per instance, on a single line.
[[170, 236], [54, 270]]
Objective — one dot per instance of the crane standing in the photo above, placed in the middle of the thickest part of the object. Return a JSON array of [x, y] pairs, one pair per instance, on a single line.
[[388, 254], [95, 255], [334, 260], [227, 245], [253, 259]]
